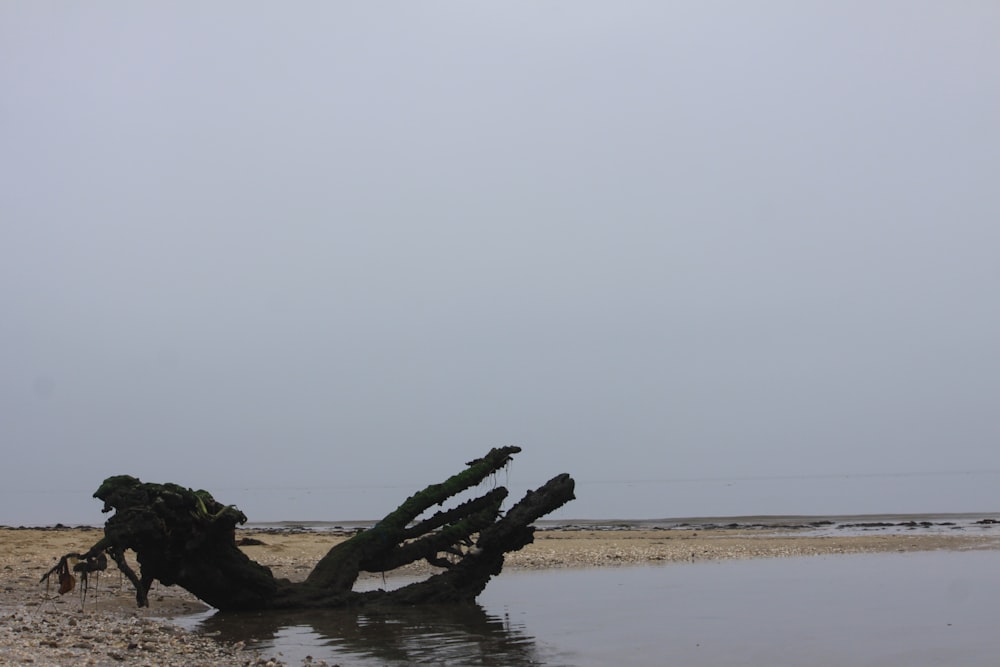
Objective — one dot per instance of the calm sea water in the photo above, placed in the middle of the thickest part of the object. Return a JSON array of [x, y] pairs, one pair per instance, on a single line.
[[887, 610], [969, 491], [977, 524]]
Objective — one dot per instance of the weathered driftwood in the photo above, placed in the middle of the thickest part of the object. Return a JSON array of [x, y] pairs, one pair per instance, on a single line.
[[187, 538]]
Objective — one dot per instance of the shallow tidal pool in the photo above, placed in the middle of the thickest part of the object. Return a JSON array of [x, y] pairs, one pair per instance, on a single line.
[[885, 610]]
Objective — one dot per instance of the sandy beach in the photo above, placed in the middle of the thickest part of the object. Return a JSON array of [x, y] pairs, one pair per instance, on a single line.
[[42, 628]]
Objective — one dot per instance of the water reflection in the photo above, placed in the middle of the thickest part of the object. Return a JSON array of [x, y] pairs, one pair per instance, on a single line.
[[440, 635]]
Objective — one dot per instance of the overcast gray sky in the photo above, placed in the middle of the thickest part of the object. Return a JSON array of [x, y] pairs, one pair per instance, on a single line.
[[708, 257]]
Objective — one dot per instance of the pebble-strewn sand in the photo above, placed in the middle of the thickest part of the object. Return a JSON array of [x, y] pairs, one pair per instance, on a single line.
[[42, 628]]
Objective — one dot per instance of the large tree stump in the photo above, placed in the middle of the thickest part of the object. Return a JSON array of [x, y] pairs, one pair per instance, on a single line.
[[187, 538]]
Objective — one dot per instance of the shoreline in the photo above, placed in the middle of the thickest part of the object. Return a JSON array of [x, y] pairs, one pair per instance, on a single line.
[[766, 521], [109, 629]]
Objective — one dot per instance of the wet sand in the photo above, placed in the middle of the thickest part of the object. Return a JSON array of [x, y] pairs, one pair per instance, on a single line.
[[108, 629]]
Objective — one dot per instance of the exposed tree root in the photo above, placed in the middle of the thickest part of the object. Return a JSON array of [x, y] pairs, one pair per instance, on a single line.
[[186, 538]]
